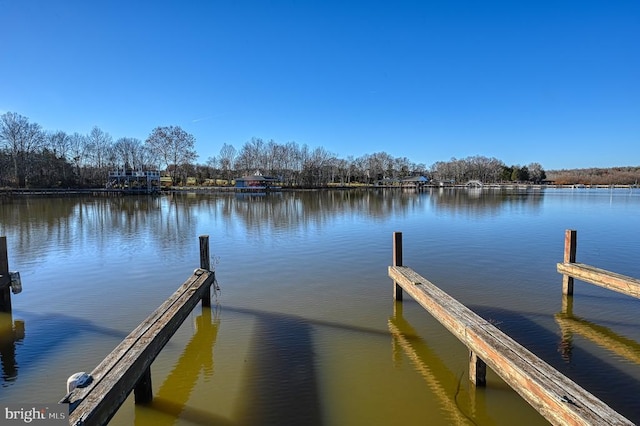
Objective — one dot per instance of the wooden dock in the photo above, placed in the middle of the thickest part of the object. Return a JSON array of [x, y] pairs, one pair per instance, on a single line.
[[590, 274], [570, 324], [560, 400], [128, 367]]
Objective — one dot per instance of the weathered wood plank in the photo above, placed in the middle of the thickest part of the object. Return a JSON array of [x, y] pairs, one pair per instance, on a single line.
[[105, 366], [570, 246], [600, 277], [477, 370], [556, 397], [118, 374]]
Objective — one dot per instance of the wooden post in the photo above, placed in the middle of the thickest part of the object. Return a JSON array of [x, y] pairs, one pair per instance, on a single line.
[[570, 242], [205, 263], [477, 370], [5, 279], [143, 392], [397, 261]]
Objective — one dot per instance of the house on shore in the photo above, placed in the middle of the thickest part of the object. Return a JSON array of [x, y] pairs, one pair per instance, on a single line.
[[256, 182], [135, 181], [416, 182]]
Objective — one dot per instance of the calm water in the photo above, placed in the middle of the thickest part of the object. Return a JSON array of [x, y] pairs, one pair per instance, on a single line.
[[304, 329]]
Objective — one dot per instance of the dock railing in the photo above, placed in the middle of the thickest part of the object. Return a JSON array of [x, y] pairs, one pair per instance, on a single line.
[[557, 398], [569, 323], [128, 367], [572, 270]]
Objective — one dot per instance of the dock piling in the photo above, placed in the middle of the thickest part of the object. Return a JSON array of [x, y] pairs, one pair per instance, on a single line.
[[397, 261], [477, 370], [543, 387], [5, 279], [143, 392], [570, 244], [205, 263], [128, 367], [571, 270]]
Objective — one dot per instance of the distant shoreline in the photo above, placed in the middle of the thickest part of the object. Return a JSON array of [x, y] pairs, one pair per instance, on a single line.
[[228, 189]]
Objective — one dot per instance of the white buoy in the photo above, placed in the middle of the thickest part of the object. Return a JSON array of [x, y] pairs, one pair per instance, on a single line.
[[78, 380]]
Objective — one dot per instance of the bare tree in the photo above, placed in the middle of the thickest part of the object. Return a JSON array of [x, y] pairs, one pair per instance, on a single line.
[[99, 144], [129, 153], [78, 153], [251, 156], [172, 146], [317, 167], [21, 139], [59, 143], [100, 154], [6, 169], [226, 160]]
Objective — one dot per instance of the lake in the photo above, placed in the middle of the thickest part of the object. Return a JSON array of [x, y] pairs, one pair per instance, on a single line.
[[302, 329]]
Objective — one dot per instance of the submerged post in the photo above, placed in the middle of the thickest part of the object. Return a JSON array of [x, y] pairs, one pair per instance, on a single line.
[[143, 392], [570, 242], [205, 263], [5, 279], [477, 370], [397, 261]]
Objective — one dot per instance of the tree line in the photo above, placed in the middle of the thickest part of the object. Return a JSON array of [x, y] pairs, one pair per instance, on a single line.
[[597, 176], [33, 157]]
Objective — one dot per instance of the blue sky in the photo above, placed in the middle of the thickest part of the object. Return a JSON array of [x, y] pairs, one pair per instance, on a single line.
[[554, 82]]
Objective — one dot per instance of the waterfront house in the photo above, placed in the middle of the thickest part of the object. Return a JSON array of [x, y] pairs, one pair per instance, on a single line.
[[414, 182], [256, 181]]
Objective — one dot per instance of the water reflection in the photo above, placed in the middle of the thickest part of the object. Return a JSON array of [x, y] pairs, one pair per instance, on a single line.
[[589, 372], [602, 336], [196, 362], [36, 224], [483, 202], [48, 335], [39, 225], [11, 334], [438, 377], [73, 243]]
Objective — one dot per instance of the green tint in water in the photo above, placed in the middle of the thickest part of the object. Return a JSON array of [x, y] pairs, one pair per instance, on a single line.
[[305, 331], [268, 368]]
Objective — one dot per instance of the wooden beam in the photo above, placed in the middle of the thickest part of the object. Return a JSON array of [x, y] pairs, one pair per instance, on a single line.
[[600, 277], [570, 244], [116, 376], [556, 397]]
